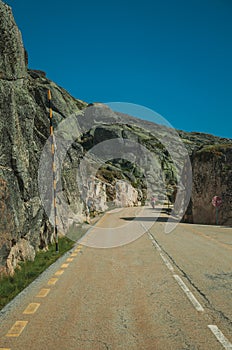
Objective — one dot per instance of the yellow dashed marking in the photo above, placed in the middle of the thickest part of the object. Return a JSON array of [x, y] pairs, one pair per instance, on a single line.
[[64, 266], [69, 259], [17, 329], [52, 281], [73, 254], [43, 293], [59, 272], [31, 309]]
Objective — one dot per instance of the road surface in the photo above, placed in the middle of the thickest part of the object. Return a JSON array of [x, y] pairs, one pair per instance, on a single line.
[[158, 291]]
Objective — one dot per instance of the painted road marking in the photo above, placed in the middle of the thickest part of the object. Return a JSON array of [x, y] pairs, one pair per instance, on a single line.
[[64, 266], [146, 230], [150, 236], [43, 293], [59, 272], [73, 254], [79, 246], [78, 249], [52, 281], [220, 337], [17, 329], [156, 245], [31, 308], [167, 263], [69, 259], [189, 294]]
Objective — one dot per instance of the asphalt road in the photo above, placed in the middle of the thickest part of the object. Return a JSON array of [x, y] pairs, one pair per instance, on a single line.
[[158, 291]]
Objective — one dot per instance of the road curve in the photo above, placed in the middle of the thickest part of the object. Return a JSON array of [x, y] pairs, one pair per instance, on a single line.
[[160, 291]]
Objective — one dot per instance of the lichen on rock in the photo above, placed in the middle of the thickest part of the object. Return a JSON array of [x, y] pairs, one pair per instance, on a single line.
[[24, 131]]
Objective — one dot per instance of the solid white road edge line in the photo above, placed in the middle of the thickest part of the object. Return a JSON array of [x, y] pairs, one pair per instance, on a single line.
[[220, 337], [189, 294]]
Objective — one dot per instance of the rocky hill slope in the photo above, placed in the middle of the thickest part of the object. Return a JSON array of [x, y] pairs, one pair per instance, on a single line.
[[109, 158]]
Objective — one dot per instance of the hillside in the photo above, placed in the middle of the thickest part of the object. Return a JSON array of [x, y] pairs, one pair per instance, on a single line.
[[109, 159]]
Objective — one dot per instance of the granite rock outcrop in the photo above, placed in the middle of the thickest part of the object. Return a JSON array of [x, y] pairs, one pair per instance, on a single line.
[[116, 181], [212, 176]]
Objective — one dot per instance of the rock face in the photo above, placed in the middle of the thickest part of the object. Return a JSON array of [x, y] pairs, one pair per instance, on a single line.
[[212, 176], [21, 251], [13, 61], [24, 129], [123, 179], [126, 195]]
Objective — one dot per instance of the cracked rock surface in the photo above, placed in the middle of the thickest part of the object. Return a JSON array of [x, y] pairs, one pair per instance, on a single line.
[[24, 130]]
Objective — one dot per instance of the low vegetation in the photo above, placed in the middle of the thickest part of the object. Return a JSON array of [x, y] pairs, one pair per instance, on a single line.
[[28, 271]]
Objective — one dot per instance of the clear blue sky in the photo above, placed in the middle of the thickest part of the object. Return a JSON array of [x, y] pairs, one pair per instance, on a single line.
[[172, 56]]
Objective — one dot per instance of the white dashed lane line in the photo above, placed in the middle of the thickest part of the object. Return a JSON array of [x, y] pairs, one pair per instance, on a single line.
[[156, 245], [167, 263], [220, 337], [214, 329], [180, 282], [188, 293]]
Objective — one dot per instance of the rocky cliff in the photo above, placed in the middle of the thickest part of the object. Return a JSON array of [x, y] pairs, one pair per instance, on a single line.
[[110, 159], [212, 176], [24, 128]]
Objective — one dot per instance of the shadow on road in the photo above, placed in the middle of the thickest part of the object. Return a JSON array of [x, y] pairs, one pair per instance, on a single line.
[[153, 218], [162, 210]]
